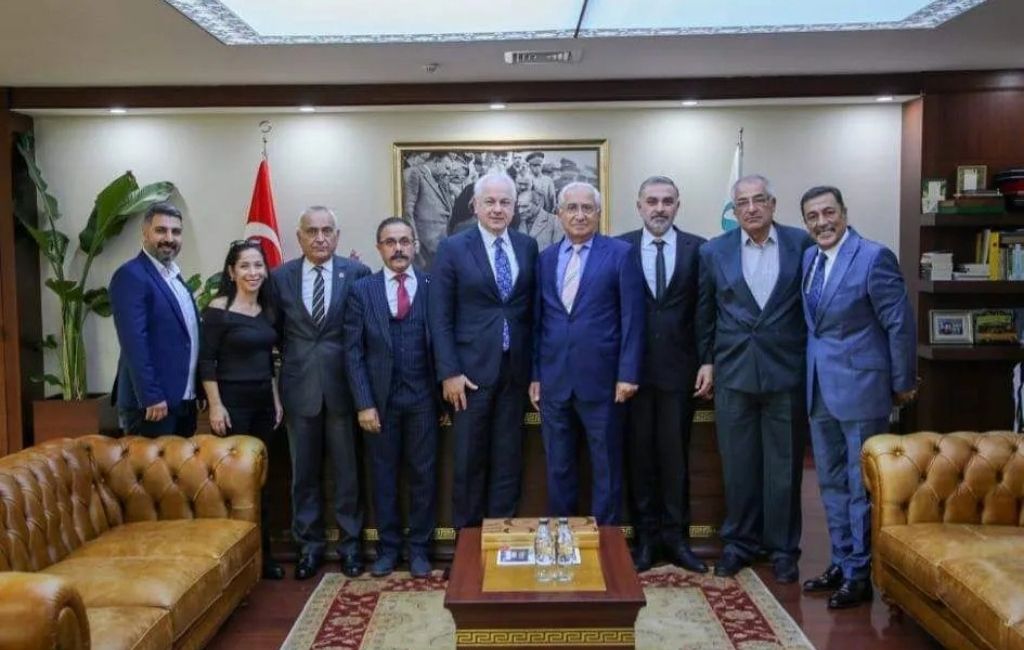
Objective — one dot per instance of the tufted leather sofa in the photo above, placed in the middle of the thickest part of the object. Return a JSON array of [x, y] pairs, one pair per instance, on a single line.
[[127, 543], [946, 526]]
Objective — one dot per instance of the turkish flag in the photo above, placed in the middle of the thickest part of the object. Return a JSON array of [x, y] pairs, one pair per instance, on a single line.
[[262, 222]]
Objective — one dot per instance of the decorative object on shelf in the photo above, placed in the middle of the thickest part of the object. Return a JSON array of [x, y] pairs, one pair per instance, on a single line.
[[950, 327], [1011, 183], [933, 190], [971, 178], [995, 326]]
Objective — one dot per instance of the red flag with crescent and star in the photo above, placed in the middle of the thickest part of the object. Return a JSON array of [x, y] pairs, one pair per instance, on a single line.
[[262, 221]]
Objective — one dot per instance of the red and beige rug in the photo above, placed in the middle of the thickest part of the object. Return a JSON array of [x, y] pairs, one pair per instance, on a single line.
[[684, 611]]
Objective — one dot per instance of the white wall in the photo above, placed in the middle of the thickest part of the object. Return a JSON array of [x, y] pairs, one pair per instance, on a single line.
[[344, 160]]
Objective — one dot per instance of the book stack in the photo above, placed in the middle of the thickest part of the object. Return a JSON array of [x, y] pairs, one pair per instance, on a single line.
[[937, 265], [1002, 252], [974, 272], [977, 202]]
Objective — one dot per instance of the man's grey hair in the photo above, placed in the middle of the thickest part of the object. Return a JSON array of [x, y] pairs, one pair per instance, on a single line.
[[494, 177], [656, 180], [576, 185], [317, 208], [754, 178]]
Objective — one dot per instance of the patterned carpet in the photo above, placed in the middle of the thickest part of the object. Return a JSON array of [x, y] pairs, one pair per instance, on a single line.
[[684, 611]]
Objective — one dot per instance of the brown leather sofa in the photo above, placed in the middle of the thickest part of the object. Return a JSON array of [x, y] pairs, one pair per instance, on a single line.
[[946, 532], [127, 543]]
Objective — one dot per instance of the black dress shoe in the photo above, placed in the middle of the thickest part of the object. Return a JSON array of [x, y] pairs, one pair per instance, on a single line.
[[352, 565], [729, 565], [272, 570], [643, 556], [681, 556], [827, 581], [786, 570], [307, 567], [850, 594]]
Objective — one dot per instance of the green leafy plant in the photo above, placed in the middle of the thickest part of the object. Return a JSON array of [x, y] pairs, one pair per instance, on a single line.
[[115, 205], [203, 292]]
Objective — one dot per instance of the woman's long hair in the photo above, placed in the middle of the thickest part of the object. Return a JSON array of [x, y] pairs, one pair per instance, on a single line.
[[228, 287]]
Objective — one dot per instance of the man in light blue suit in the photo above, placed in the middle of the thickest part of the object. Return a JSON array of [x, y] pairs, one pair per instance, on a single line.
[[861, 358], [589, 349]]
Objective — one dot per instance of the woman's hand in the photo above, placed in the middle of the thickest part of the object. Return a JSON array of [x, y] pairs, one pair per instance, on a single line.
[[220, 420]]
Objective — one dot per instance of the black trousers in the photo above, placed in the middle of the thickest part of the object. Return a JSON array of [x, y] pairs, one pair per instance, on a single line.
[[180, 421], [658, 449]]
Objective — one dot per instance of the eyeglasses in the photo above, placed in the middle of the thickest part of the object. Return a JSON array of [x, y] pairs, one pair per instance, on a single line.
[[391, 242], [758, 200], [246, 243]]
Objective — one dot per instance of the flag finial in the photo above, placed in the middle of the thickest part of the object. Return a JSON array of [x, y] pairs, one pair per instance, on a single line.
[[266, 126]]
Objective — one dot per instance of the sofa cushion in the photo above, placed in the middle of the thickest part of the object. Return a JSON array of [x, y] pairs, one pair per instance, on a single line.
[[987, 594], [185, 587], [129, 628], [231, 543], [917, 551], [1015, 637]]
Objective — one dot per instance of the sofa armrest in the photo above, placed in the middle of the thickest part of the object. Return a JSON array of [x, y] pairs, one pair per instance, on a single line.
[[41, 612]]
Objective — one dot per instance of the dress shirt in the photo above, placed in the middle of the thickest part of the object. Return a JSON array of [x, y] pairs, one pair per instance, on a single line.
[[830, 257], [309, 277], [565, 252], [391, 287], [506, 243], [171, 274], [649, 258], [760, 265]]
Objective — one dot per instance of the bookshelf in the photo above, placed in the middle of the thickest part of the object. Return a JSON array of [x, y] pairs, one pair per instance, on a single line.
[[994, 221], [971, 286], [970, 352]]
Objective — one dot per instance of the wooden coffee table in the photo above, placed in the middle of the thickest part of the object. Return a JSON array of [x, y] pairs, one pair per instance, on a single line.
[[524, 619]]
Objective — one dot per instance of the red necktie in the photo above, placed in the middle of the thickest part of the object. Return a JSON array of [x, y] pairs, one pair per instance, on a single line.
[[403, 297]]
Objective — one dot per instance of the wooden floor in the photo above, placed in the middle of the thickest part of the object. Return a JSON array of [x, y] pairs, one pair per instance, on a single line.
[[264, 621]]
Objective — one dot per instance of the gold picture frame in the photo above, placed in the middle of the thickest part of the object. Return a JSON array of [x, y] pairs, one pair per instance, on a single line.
[[436, 214], [971, 178]]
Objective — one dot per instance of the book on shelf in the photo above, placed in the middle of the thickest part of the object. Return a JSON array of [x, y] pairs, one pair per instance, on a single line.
[[980, 202], [937, 265]]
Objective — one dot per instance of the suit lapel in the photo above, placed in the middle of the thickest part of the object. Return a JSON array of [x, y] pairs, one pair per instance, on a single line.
[[300, 304], [161, 285], [734, 272], [595, 258], [519, 250], [636, 240], [790, 260], [432, 182], [835, 276], [677, 272], [476, 249], [340, 271], [379, 304]]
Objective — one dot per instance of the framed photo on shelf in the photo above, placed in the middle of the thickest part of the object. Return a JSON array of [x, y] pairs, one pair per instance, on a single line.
[[950, 327], [995, 326], [933, 190], [971, 178]]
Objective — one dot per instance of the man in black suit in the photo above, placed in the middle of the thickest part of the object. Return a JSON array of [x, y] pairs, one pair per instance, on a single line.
[[391, 372], [662, 411], [311, 293], [481, 324]]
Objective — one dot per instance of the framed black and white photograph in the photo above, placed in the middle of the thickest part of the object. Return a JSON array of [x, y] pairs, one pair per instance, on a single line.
[[952, 327], [433, 184]]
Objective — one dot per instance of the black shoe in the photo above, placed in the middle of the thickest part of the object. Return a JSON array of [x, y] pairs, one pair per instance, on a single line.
[[827, 581], [729, 565], [681, 556], [307, 567], [643, 556], [272, 570], [786, 570], [850, 594], [352, 565]]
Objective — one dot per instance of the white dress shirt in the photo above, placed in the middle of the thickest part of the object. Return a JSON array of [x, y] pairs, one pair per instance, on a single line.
[[309, 277], [760, 265], [172, 276], [649, 257], [506, 243], [830, 257], [391, 288]]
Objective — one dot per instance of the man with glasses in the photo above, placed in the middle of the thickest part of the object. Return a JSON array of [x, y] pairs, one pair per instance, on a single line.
[[589, 352], [311, 292], [391, 372], [481, 325], [751, 342]]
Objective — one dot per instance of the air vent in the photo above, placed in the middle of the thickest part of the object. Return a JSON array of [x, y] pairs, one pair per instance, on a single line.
[[533, 57]]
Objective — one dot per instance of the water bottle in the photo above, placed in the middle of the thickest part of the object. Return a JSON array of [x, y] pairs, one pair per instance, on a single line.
[[566, 551], [544, 552]]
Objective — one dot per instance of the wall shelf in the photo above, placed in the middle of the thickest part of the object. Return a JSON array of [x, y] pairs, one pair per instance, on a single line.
[[970, 286], [970, 352], [996, 220]]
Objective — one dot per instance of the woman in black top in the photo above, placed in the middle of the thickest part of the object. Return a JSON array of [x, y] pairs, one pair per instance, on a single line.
[[236, 363]]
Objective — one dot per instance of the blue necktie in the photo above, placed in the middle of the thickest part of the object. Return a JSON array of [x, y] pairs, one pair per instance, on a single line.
[[503, 273], [817, 284]]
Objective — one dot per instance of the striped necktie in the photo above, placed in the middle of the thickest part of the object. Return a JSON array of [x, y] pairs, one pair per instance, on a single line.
[[571, 281], [318, 296]]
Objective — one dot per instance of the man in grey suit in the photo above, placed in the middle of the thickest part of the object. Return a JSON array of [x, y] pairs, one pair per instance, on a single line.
[[751, 342], [427, 204], [311, 293]]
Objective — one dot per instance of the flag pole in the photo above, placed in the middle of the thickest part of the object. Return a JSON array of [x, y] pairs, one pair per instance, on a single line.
[[738, 144], [266, 126]]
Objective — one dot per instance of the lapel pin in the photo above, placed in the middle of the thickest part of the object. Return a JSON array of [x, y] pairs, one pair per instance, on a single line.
[[341, 275]]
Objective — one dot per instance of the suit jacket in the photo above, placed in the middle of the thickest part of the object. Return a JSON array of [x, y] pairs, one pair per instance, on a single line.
[[466, 310], [428, 206], [601, 342], [313, 358], [369, 356], [862, 342], [155, 347], [546, 229], [670, 340], [753, 350]]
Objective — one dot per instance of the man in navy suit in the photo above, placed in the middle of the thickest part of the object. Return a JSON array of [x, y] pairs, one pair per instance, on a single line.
[[158, 328], [391, 373], [752, 342], [861, 359], [662, 411], [590, 345], [481, 324]]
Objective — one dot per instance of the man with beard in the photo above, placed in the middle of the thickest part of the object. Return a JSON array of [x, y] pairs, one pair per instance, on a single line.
[[158, 328], [391, 373]]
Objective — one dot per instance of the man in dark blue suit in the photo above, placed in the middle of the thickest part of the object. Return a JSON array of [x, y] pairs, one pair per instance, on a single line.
[[481, 324], [861, 359], [589, 347], [391, 373], [752, 341], [158, 328]]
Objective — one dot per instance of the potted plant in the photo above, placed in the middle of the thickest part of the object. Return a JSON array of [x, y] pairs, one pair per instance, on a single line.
[[75, 411]]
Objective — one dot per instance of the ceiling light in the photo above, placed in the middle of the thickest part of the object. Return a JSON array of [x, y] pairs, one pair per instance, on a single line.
[[307, 109], [118, 111], [497, 106], [689, 102], [884, 98]]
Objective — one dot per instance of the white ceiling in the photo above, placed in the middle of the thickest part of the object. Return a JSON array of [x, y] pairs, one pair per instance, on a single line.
[[147, 42]]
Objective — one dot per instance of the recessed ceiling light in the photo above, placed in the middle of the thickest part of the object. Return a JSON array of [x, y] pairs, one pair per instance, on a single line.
[[690, 102], [884, 98], [118, 111], [497, 106], [307, 109]]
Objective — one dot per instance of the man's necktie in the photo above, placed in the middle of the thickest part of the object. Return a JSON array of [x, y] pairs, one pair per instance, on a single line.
[[503, 275], [571, 281], [318, 296], [404, 304], [659, 270], [817, 284]]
